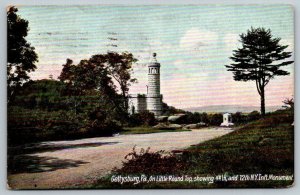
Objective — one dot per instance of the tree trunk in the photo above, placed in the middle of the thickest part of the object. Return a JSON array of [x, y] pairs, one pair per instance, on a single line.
[[125, 101], [262, 102]]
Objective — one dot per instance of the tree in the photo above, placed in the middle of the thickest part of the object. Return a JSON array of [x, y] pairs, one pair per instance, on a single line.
[[237, 118], [107, 73], [260, 59], [119, 68], [204, 118], [289, 105], [171, 110], [215, 119], [21, 57], [41, 94], [87, 76]]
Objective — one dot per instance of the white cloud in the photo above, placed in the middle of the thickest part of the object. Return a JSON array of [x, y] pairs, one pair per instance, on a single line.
[[196, 39]]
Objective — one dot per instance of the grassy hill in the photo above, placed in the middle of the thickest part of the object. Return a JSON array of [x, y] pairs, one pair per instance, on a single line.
[[264, 147]]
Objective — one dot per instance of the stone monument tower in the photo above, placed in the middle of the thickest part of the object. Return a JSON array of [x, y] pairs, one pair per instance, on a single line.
[[154, 98]]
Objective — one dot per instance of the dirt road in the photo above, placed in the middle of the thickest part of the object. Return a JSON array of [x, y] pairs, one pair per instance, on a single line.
[[74, 163]]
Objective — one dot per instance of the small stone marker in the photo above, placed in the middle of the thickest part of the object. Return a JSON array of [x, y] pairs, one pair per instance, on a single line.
[[227, 120]]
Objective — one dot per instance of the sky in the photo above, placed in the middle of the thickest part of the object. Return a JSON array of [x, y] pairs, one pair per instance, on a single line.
[[193, 43]]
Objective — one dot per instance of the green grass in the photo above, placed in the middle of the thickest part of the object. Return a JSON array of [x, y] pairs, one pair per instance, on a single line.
[[262, 147], [147, 130]]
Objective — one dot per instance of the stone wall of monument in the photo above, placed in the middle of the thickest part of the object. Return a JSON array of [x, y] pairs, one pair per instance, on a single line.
[[154, 103], [141, 104], [154, 84], [137, 103]]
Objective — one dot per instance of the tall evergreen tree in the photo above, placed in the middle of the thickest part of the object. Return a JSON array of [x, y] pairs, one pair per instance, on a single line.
[[260, 59], [21, 57]]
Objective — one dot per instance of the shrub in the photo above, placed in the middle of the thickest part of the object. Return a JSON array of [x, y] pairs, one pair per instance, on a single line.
[[192, 118], [254, 115], [103, 128], [27, 125], [152, 163], [204, 117], [237, 118], [144, 118], [216, 119], [170, 110]]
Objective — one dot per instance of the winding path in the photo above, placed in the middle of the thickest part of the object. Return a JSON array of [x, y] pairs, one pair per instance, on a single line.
[[62, 164]]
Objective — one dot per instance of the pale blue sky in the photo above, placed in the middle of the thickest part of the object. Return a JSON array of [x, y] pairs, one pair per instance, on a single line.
[[192, 43]]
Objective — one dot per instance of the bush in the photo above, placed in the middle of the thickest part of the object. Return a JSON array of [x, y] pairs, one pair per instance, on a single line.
[[216, 119], [103, 128], [204, 117], [254, 115], [151, 163], [192, 118], [170, 110], [237, 118], [27, 125], [144, 118], [196, 117]]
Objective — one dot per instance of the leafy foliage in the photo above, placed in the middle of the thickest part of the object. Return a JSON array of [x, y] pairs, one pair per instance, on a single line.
[[85, 102], [289, 105], [35, 125], [150, 163], [41, 94], [170, 110], [21, 57], [42, 110], [107, 73], [238, 118], [255, 61], [144, 118], [216, 119], [254, 115]]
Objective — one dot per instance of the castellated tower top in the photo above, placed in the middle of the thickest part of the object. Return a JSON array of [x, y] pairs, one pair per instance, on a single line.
[[154, 57], [154, 62]]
